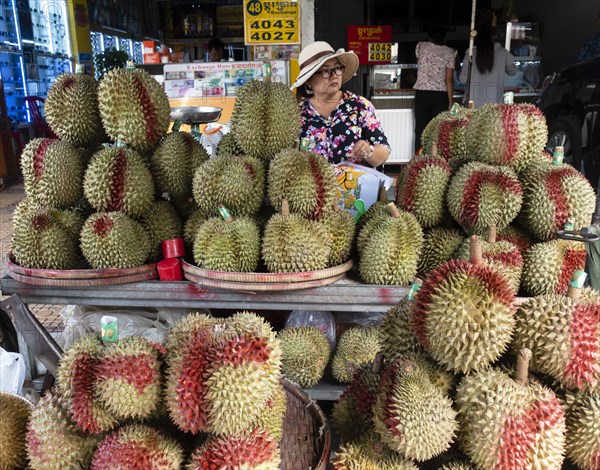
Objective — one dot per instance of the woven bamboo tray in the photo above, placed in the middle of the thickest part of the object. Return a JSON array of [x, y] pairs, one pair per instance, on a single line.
[[306, 441]]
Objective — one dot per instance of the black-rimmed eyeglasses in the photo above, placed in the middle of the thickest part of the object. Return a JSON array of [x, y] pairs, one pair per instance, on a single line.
[[338, 70]]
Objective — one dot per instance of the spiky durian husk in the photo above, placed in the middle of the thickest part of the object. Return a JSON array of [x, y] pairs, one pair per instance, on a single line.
[[457, 466], [138, 446], [439, 245], [421, 189], [356, 347], [306, 352], [237, 183], [306, 180], [342, 227], [516, 236], [273, 415], [134, 108], [448, 131], [227, 246], [411, 415], [185, 206], [161, 223], [583, 430], [391, 253], [564, 338], [559, 194], [353, 413], [373, 218], [255, 451], [174, 162], [117, 179], [228, 147], [53, 441], [40, 241], [369, 453], [397, 337], [128, 378], [548, 266], [293, 244], [71, 109], [509, 426], [507, 134], [282, 119], [52, 172], [481, 195], [114, 240], [15, 412], [191, 226], [536, 169], [464, 315]]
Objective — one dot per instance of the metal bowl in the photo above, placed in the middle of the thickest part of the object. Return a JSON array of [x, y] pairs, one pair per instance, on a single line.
[[196, 114]]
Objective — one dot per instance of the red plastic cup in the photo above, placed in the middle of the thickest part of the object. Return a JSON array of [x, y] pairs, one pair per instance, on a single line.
[[170, 269], [173, 248]]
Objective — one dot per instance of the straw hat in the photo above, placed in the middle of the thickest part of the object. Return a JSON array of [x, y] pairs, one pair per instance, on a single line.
[[316, 54]]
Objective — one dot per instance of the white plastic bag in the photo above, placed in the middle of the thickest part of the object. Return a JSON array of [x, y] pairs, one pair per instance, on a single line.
[[12, 372], [324, 321]]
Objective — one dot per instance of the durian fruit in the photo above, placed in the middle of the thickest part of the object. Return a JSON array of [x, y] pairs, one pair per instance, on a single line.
[[464, 313], [137, 446], [583, 430], [52, 172], [355, 348], [161, 223], [517, 236], [480, 195], [369, 453], [185, 206], [265, 119], [118, 179], [191, 226], [448, 132], [558, 195], [507, 134], [439, 246], [421, 189], [15, 412], [508, 423], [391, 253], [128, 377], [342, 228], [228, 147], [306, 352], [236, 183], [457, 466], [411, 415], [174, 163], [40, 241], [292, 243], [227, 244], [306, 180], [134, 108], [379, 210], [273, 415], [255, 451], [71, 109], [372, 219], [53, 441]]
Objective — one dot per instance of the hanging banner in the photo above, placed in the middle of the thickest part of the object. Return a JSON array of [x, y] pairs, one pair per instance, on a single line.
[[271, 22], [372, 44]]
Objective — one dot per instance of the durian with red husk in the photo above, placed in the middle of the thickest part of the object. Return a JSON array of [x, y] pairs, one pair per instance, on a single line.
[[227, 244], [53, 440], [161, 223], [174, 163], [342, 228], [464, 313], [517, 236], [15, 412], [52, 172], [448, 132], [306, 180], [71, 108], [306, 352], [583, 429], [413, 416], [137, 446], [134, 108], [439, 246], [253, 451], [391, 253], [421, 188], [508, 423], [563, 333], [356, 347], [118, 179], [480, 195]]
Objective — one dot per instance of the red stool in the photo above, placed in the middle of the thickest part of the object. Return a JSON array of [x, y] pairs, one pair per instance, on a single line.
[[40, 127]]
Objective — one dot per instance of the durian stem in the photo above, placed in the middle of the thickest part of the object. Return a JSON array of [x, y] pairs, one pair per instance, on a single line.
[[523, 366], [393, 210], [471, 104], [377, 363], [285, 207], [574, 292], [382, 195], [491, 238], [434, 149], [475, 254], [224, 213]]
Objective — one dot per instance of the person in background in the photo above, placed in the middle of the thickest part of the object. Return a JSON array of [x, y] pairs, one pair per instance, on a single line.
[[339, 124], [215, 50], [435, 85], [490, 62], [590, 47]]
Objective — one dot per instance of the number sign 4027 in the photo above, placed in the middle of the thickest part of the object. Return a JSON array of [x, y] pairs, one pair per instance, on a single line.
[[267, 30]]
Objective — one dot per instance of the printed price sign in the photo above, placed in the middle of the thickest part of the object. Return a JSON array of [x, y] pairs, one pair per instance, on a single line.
[[271, 22], [380, 52]]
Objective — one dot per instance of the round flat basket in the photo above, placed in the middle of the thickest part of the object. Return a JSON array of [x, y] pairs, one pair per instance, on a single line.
[[261, 278], [100, 281], [306, 441]]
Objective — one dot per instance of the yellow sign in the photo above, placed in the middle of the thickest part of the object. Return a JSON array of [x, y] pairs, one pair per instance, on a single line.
[[271, 22], [380, 52]]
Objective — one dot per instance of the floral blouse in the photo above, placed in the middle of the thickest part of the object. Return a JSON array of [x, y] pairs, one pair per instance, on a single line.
[[334, 137]]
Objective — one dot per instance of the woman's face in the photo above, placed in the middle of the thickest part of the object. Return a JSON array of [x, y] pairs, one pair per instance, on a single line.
[[332, 83]]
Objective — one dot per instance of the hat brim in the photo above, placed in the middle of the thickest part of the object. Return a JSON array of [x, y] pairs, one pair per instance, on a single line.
[[347, 58]]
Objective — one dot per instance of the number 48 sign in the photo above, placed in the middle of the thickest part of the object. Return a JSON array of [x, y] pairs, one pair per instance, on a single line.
[[271, 22]]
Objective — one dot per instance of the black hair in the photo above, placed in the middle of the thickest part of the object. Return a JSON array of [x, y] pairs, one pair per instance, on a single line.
[[437, 35], [484, 60], [216, 43]]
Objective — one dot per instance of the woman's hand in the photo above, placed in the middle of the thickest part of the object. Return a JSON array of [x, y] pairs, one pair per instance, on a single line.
[[361, 152]]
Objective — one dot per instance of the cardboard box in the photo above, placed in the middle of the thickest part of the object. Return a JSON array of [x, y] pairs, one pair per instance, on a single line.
[[149, 46], [153, 58]]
